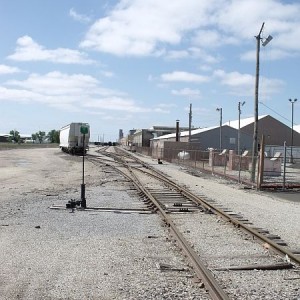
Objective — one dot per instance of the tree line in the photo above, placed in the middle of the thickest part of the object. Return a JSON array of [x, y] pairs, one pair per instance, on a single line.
[[52, 136]]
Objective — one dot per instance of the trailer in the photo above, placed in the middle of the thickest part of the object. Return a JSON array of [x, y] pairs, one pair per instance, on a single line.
[[72, 140]]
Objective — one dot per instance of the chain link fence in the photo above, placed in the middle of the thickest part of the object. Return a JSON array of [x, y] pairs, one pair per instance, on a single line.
[[278, 167]]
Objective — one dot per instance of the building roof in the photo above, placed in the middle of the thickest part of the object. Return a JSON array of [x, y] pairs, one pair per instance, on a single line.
[[186, 133], [296, 128], [243, 122]]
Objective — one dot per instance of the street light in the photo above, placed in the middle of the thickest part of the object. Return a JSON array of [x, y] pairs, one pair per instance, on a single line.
[[220, 110], [239, 134], [255, 130], [239, 137], [292, 133]]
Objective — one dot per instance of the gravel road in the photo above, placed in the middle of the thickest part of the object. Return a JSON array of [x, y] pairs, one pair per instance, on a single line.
[[56, 254]]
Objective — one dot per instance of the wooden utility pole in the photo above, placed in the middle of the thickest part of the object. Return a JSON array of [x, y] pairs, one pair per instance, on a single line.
[[261, 163], [255, 130], [190, 124]]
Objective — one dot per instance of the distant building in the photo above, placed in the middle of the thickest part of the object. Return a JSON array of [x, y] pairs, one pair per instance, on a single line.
[[4, 137], [142, 137], [121, 135]]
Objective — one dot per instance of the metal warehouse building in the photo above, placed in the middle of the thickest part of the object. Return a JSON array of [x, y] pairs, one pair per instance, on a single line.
[[206, 138], [275, 132]]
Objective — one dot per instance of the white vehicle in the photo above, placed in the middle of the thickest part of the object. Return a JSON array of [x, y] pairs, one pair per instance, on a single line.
[[71, 138]]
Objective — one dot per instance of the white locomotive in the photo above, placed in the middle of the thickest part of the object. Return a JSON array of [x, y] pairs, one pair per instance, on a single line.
[[71, 138]]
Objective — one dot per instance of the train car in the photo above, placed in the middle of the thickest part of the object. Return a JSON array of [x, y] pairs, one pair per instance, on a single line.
[[71, 139]]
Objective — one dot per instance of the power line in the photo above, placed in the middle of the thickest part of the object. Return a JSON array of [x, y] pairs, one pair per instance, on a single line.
[[275, 111]]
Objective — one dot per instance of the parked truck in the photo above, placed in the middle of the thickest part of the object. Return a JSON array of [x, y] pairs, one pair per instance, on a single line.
[[72, 140]]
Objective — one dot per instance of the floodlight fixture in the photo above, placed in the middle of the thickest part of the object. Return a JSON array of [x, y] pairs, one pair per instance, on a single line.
[[267, 41]]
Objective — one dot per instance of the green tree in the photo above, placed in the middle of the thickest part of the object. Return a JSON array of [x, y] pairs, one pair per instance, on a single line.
[[40, 136], [34, 137], [14, 136], [53, 136]]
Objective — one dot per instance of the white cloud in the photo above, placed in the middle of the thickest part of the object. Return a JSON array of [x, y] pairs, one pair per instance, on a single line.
[[115, 103], [243, 20], [57, 83], [4, 69], [212, 39], [69, 92], [79, 17], [243, 84], [178, 54], [153, 27], [269, 54], [179, 76], [20, 95], [187, 92], [107, 74], [166, 105], [192, 52], [28, 50], [137, 27]]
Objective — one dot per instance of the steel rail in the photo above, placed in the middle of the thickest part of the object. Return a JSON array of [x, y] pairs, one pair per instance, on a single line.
[[210, 283], [279, 249], [215, 290]]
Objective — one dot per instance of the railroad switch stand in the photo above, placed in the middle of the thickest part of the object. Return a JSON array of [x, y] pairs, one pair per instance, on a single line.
[[73, 203], [83, 200]]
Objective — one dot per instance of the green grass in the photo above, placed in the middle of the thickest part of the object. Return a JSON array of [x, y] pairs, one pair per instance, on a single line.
[[9, 146]]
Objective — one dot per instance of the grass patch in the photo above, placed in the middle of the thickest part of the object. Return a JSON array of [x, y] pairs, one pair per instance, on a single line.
[[9, 146]]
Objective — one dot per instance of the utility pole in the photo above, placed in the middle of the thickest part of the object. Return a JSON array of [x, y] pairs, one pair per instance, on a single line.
[[255, 130], [190, 124], [292, 132], [239, 137], [220, 110], [177, 131]]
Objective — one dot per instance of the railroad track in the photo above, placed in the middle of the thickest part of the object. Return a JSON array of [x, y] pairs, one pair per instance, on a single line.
[[169, 199]]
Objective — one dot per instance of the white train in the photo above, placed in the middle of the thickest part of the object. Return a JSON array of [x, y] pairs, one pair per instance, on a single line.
[[71, 138]]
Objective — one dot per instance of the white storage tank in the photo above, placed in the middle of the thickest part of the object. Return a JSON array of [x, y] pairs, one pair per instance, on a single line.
[[184, 155]]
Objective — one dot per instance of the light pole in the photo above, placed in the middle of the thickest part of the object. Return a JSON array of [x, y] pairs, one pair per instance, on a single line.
[[239, 133], [255, 129], [239, 137], [220, 110], [292, 132]]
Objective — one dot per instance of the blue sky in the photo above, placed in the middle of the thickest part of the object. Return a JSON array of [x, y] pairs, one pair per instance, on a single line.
[[138, 63]]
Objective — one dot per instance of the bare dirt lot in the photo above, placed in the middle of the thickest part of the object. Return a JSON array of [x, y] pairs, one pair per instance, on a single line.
[[57, 254]]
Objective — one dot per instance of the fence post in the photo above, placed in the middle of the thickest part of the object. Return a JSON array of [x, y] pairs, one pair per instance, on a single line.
[[225, 163], [239, 157], [284, 165], [212, 161]]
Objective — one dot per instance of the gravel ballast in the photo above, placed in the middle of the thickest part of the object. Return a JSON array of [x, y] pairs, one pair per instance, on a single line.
[[59, 254]]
